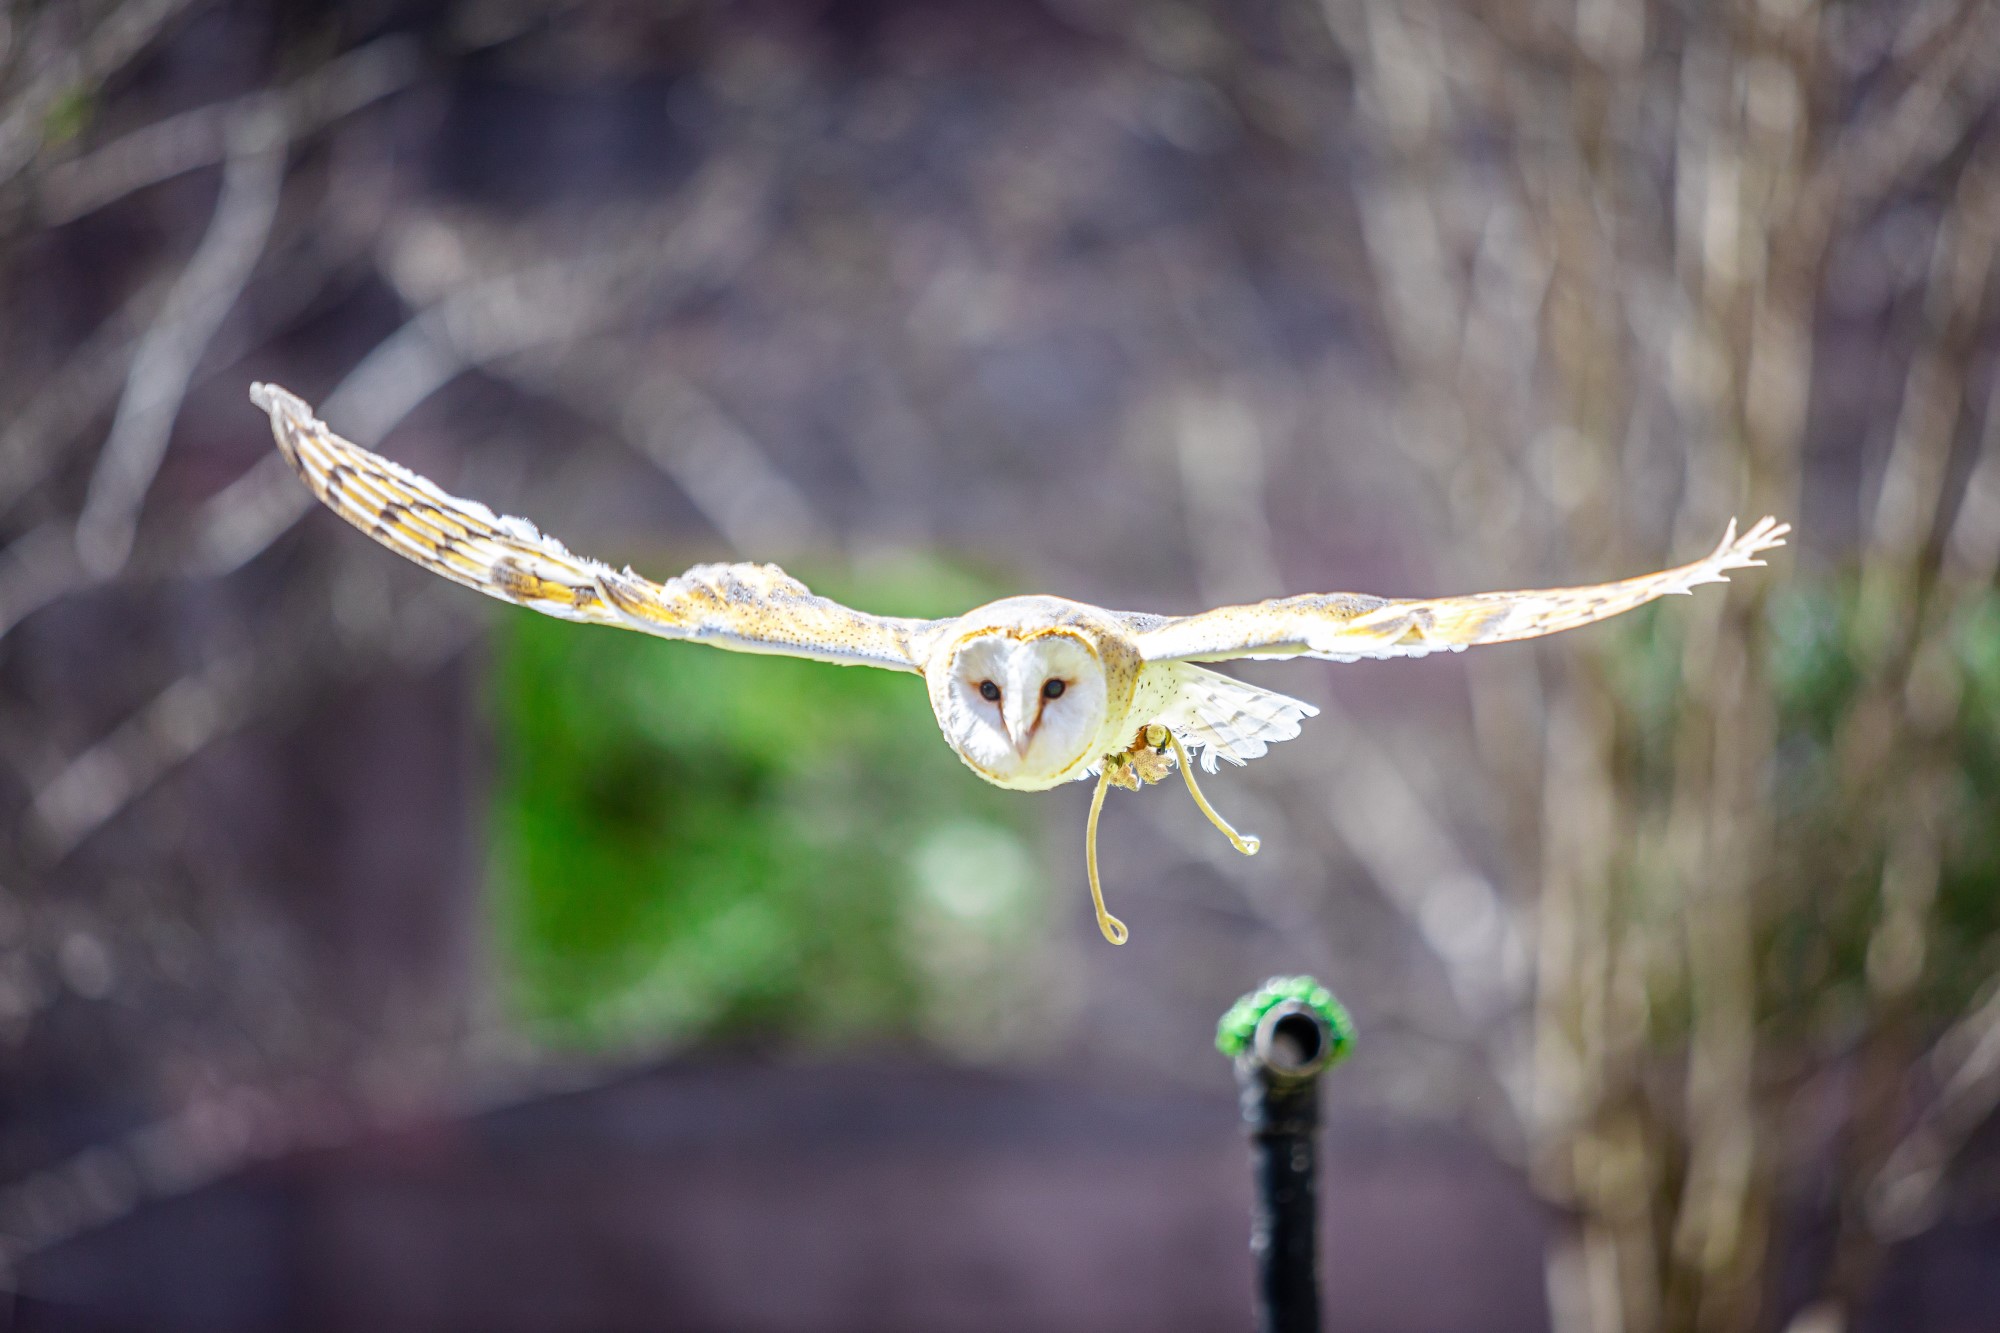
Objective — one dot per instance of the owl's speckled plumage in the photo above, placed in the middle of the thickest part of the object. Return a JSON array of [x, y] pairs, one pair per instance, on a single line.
[[1031, 692]]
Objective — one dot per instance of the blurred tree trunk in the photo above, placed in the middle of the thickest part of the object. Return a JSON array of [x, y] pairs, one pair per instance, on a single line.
[[1600, 238]]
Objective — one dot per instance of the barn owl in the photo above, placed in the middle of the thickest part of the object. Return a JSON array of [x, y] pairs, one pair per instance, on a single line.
[[1031, 692]]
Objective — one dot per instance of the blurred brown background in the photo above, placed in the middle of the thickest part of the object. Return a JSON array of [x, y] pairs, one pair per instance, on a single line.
[[1670, 941]]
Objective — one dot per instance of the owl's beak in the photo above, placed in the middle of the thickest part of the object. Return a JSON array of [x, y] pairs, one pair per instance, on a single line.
[[1023, 718]]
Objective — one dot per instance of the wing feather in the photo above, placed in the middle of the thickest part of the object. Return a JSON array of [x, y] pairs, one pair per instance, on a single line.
[[1345, 627], [1228, 718], [747, 608]]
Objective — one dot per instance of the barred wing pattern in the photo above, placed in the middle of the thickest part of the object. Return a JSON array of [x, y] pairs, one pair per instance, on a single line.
[[747, 608], [1345, 627]]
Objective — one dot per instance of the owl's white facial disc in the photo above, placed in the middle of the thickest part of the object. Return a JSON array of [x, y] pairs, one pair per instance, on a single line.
[[1023, 712]]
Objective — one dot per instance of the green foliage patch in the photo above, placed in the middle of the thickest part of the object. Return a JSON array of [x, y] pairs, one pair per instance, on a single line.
[[692, 843], [1835, 668]]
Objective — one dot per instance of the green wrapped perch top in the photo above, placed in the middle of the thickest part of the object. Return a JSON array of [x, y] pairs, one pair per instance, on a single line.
[[1238, 1027]]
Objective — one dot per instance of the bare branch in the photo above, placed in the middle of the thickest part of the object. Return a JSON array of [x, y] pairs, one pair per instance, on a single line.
[[437, 345], [172, 348], [201, 137], [1904, 1196], [124, 32], [723, 471], [484, 321], [1420, 868], [220, 698], [1913, 479], [181, 720], [38, 569], [1972, 547], [67, 399], [1949, 98]]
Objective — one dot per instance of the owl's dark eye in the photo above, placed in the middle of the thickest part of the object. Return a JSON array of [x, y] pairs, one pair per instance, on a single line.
[[989, 691], [1053, 689]]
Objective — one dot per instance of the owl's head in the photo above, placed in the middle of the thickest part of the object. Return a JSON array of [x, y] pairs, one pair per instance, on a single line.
[[1023, 707]]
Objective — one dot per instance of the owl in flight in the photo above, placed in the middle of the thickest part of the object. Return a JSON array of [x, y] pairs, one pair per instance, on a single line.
[[1031, 692]]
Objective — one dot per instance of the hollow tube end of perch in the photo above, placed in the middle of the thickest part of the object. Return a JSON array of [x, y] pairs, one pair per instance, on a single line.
[[1294, 1039]]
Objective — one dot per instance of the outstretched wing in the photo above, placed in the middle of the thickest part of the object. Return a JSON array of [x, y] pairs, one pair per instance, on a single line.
[[1346, 627], [748, 608]]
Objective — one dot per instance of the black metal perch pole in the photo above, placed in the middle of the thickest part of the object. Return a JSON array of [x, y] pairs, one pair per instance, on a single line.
[[1282, 1037]]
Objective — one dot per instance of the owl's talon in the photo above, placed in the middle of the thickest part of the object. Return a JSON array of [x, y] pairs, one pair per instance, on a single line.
[[1108, 925], [1246, 843]]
